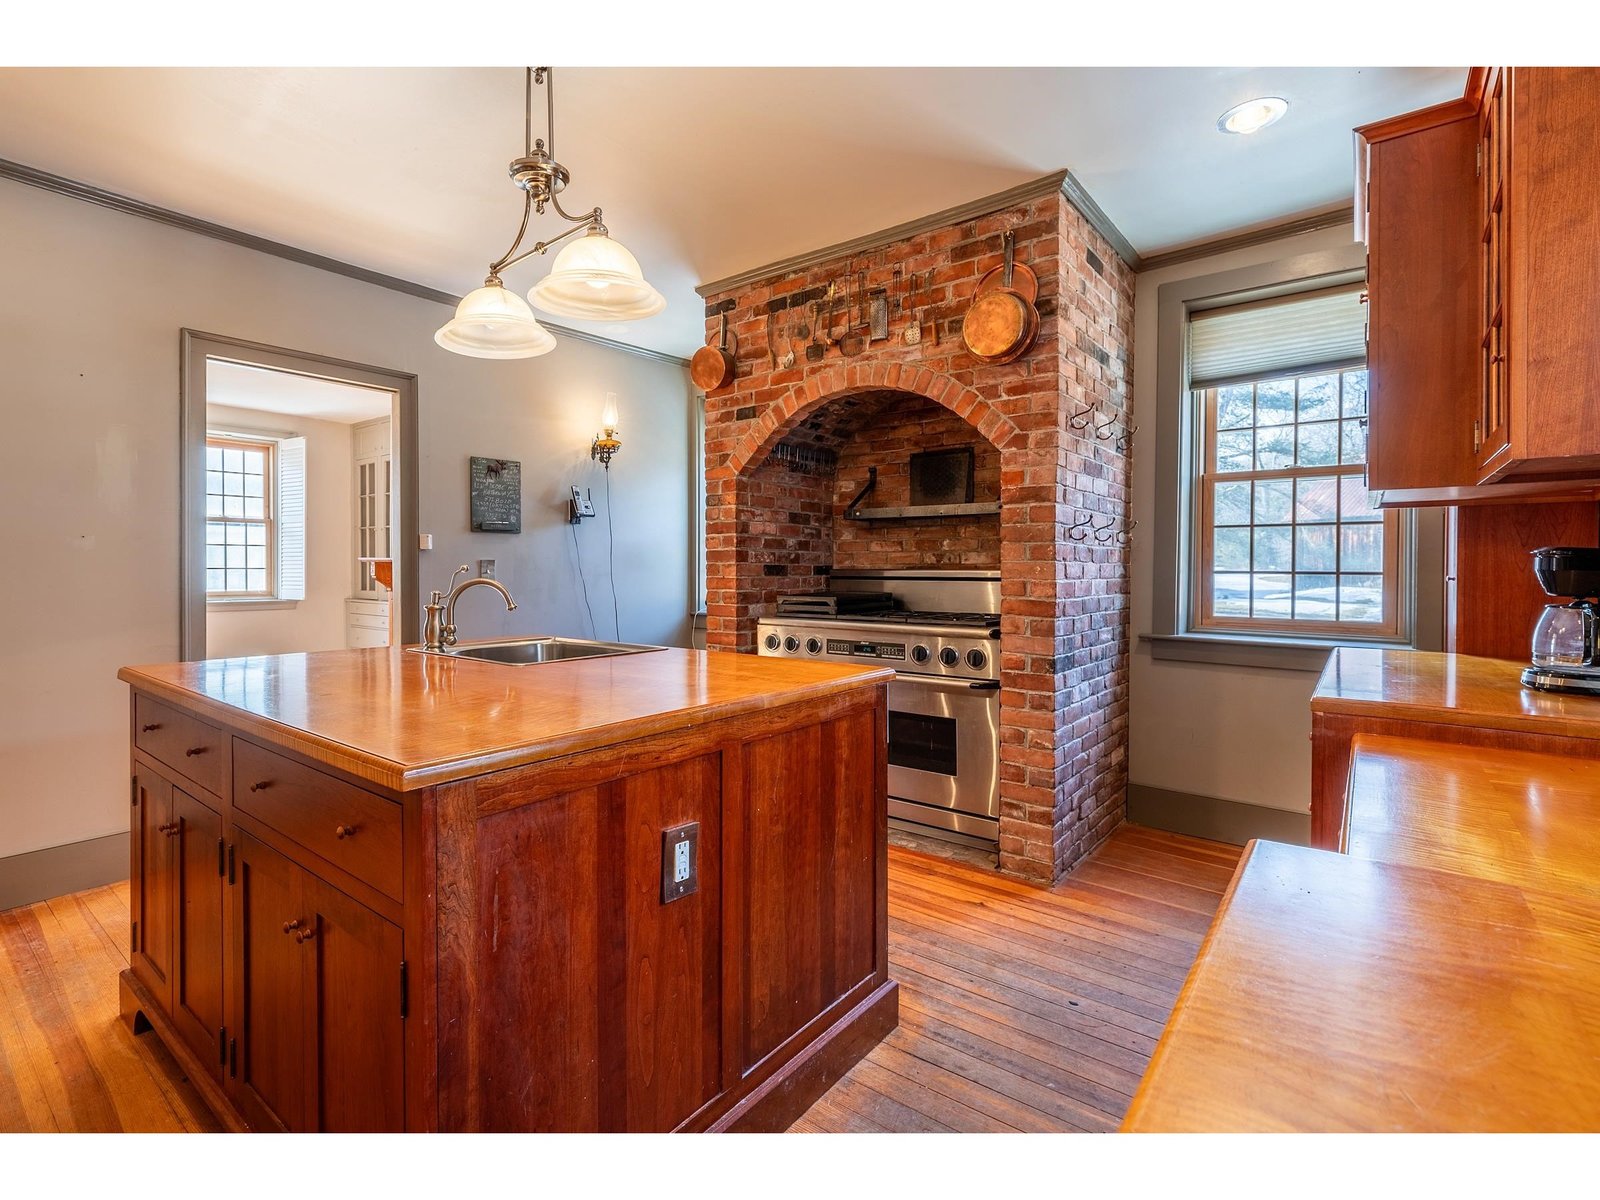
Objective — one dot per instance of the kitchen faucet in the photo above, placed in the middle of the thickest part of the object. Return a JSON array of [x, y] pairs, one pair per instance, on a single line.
[[439, 630]]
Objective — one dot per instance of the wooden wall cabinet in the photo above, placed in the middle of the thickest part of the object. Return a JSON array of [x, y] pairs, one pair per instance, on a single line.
[[498, 952], [1481, 220]]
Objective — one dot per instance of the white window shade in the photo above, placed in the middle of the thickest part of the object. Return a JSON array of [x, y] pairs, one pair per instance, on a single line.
[[292, 519], [1289, 335]]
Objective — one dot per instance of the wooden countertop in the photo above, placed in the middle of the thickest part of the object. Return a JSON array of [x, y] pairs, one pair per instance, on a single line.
[[1442, 975], [1341, 994], [406, 720], [1513, 816], [1448, 689]]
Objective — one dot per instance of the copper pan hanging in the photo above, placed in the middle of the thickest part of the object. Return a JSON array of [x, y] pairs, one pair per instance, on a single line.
[[1001, 322], [712, 366]]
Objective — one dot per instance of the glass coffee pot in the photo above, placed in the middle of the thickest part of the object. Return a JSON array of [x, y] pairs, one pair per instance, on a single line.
[[1566, 638]]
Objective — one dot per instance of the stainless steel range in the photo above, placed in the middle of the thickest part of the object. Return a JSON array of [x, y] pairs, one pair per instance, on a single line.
[[942, 636]]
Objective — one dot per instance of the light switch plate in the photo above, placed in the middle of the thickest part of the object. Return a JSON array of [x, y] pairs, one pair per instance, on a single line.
[[680, 861], [486, 568]]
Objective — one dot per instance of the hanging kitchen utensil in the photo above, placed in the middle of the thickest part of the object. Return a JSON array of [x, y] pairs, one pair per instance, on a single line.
[[772, 343], [816, 348], [854, 341], [912, 336], [878, 316], [1023, 281], [712, 366], [786, 359], [933, 313], [1001, 323]]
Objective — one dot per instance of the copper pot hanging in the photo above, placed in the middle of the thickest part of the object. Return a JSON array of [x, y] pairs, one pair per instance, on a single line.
[[1001, 322], [712, 365]]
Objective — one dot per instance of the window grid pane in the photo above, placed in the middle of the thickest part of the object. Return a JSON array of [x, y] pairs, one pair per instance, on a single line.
[[1304, 543], [238, 518]]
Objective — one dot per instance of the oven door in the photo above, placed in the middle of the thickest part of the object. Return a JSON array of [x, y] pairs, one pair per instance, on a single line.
[[944, 752]]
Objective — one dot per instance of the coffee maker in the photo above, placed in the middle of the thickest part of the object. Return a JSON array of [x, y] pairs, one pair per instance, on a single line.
[[1566, 639]]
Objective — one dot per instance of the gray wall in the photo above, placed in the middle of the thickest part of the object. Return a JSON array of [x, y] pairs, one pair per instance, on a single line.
[[91, 304]]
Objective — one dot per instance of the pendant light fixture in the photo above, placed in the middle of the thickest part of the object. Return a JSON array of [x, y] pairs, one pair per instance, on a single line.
[[593, 277]]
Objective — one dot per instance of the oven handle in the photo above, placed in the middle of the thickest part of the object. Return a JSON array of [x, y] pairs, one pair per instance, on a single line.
[[951, 685]]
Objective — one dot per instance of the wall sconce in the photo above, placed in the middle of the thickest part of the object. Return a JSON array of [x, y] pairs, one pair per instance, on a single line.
[[606, 442]]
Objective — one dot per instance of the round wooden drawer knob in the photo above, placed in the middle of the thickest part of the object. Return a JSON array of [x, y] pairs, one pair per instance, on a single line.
[[291, 926], [305, 935], [261, 786], [150, 728], [344, 831], [193, 750]]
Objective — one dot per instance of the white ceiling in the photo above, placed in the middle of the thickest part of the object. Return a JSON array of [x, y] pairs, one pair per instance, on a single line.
[[702, 173], [235, 385]]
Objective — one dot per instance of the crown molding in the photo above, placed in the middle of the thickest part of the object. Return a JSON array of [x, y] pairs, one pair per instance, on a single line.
[[1061, 182], [1322, 219], [77, 190]]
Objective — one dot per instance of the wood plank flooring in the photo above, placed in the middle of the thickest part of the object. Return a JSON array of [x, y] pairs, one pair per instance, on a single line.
[[1029, 1010], [1020, 1008], [67, 1061]]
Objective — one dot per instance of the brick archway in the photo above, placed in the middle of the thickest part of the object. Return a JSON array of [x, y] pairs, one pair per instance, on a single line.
[[836, 382]]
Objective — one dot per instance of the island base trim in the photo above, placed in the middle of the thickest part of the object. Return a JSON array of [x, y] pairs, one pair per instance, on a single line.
[[142, 1014], [799, 1083]]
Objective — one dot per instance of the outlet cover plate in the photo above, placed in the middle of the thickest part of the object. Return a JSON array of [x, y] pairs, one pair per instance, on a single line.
[[680, 861]]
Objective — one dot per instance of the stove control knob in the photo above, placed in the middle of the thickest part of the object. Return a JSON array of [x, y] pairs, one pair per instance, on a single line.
[[813, 646], [772, 641], [920, 654], [791, 644], [949, 657], [977, 659]]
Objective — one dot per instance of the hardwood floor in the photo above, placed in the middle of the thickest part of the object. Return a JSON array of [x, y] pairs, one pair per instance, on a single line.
[[1024, 1009], [67, 1062], [1020, 1009]]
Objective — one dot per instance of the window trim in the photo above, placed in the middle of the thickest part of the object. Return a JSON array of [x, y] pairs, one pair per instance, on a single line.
[[1396, 626], [1171, 635], [221, 439]]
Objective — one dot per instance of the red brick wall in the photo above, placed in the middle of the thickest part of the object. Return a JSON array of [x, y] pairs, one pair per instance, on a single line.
[[911, 424], [1064, 606]]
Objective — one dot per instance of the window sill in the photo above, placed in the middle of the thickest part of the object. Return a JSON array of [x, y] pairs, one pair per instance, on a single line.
[[1253, 650], [241, 605]]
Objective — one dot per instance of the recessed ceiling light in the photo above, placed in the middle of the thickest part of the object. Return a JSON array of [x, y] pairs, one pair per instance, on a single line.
[[1252, 115]]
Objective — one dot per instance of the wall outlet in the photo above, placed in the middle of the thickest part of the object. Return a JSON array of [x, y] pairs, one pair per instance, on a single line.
[[486, 568], [580, 505], [680, 861], [424, 541]]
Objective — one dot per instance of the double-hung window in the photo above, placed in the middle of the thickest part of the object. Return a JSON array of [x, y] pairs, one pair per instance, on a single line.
[[239, 519], [1286, 540]]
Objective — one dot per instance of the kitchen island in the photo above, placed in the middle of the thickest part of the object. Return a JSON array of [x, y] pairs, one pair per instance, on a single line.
[[383, 890]]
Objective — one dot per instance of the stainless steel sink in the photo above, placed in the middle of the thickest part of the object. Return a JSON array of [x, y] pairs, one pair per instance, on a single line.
[[522, 652]]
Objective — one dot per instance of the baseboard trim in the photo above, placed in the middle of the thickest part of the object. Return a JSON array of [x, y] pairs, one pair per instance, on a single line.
[[58, 870], [1219, 820]]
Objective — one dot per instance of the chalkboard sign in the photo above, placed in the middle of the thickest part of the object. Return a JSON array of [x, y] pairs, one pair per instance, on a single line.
[[495, 489]]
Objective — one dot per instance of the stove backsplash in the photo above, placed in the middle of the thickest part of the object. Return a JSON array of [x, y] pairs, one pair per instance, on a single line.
[[959, 590]]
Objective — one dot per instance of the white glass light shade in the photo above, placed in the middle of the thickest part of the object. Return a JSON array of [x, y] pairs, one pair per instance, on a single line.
[[597, 279], [492, 322], [608, 414]]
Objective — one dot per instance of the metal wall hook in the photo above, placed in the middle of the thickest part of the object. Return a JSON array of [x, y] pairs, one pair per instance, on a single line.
[[1125, 536], [1126, 440], [1073, 531], [1100, 430], [1082, 418], [1102, 533]]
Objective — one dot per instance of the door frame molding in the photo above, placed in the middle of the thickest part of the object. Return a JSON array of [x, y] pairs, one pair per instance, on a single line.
[[196, 348]]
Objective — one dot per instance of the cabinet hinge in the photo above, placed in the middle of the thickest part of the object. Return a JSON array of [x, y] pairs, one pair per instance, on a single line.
[[230, 863], [133, 791], [1477, 435], [404, 991], [222, 857], [1477, 167], [222, 1044], [233, 1058]]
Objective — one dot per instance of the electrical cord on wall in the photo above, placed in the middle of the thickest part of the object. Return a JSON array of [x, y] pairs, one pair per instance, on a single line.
[[611, 559], [594, 630]]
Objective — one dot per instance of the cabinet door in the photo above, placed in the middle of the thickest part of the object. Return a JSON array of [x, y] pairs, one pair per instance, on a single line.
[[270, 1061], [197, 932], [354, 1014], [1493, 429], [154, 861]]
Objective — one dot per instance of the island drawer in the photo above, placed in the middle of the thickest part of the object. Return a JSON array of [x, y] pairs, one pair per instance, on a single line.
[[186, 744], [348, 826]]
